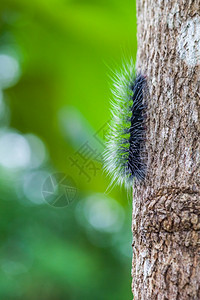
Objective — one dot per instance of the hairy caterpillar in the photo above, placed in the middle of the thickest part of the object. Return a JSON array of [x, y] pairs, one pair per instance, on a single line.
[[123, 156]]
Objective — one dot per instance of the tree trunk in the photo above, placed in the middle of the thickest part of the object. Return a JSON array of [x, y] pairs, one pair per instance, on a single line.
[[166, 207]]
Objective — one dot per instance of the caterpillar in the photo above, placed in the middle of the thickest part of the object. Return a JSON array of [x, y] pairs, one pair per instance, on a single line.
[[123, 155]]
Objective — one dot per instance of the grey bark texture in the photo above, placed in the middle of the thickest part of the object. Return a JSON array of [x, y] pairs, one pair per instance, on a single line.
[[166, 207]]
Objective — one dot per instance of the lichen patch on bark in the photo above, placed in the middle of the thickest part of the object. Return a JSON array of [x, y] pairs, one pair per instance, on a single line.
[[189, 41]]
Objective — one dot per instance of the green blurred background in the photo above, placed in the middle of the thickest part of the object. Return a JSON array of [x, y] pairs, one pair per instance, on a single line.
[[55, 60]]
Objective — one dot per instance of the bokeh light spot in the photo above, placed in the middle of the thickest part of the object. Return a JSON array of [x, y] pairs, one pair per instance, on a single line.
[[104, 213], [14, 150], [32, 187], [38, 150], [9, 70]]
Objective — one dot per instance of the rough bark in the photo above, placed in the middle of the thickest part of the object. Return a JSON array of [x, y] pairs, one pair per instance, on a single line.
[[166, 207]]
